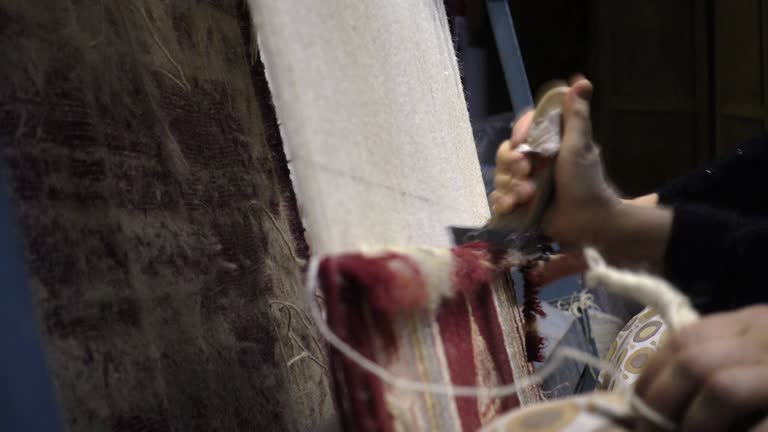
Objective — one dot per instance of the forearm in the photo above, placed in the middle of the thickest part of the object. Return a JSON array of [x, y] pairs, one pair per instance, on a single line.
[[634, 235], [650, 200], [715, 256]]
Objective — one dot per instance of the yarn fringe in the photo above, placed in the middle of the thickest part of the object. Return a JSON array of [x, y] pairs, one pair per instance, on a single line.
[[532, 310]]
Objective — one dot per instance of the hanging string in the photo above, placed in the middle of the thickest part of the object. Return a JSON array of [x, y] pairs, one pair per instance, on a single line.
[[645, 288]]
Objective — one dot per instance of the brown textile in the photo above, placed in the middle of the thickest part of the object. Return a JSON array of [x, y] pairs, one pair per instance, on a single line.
[[158, 216]]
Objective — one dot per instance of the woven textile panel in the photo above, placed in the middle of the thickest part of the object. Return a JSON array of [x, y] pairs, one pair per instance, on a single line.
[[437, 318], [374, 122]]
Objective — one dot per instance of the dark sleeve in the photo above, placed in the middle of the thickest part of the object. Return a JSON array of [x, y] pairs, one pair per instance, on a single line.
[[734, 183], [717, 257]]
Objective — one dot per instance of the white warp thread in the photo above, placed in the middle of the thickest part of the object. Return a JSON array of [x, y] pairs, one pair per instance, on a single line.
[[673, 306], [363, 90]]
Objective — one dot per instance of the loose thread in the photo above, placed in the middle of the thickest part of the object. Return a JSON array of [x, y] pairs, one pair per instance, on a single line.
[[279, 230], [547, 393], [297, 358], [305, 353], [182, 81]]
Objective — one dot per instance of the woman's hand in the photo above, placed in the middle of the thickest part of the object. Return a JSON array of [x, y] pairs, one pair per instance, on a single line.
[[583, 198], [713, 374], [585, 210]]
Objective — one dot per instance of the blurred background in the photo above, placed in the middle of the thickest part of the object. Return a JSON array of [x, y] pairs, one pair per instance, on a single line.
[[677, 83], [154, 211]]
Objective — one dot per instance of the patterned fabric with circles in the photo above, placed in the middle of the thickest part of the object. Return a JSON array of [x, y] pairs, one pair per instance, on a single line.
[[594, 412], [633, 348], [600, 411]]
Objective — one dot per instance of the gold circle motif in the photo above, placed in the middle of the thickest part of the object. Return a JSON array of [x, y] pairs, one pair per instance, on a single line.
[[647, 331]]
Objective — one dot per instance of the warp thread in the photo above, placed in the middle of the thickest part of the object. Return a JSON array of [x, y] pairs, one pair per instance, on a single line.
[[655, 292], [296, 341]]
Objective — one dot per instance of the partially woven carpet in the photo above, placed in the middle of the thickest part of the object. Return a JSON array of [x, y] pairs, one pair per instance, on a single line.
[[432, 315], [374, 121]]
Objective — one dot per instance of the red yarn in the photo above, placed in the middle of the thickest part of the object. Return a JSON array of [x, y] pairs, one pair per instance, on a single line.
[[392, 283], [534, 346], [472, 267], [535, 277], [534, 343], [347, 317], [386, 284], [389, 283]]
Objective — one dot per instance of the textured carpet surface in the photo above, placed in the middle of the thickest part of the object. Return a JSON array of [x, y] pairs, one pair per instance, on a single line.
[[157, 215]]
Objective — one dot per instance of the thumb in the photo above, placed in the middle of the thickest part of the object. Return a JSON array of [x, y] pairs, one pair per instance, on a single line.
[[576, 116]]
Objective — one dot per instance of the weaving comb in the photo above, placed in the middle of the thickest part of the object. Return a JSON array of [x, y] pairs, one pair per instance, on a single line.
[[521, 230]]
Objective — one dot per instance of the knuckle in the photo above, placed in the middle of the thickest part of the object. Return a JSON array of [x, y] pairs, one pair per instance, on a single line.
[[510, 160], [522, 166], [507, 205], [721, 388], [524, 189], [504, 148], [581, 109], [691, 362], [521, 126], [505, 161]]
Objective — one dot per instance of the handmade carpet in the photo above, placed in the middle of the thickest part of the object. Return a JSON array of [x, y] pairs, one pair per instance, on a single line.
[[375, 126], [370, 296], [432, 316]]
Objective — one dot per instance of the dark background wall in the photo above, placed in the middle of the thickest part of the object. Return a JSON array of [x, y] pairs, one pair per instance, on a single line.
[[677, 83]]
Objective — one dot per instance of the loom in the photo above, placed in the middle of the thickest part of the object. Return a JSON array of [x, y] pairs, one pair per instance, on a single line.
[[375, 125], [367, 93], [163, 244]]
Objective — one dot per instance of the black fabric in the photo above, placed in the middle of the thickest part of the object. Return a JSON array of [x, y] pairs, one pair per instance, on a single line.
[[732, 184], [719, 229]]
